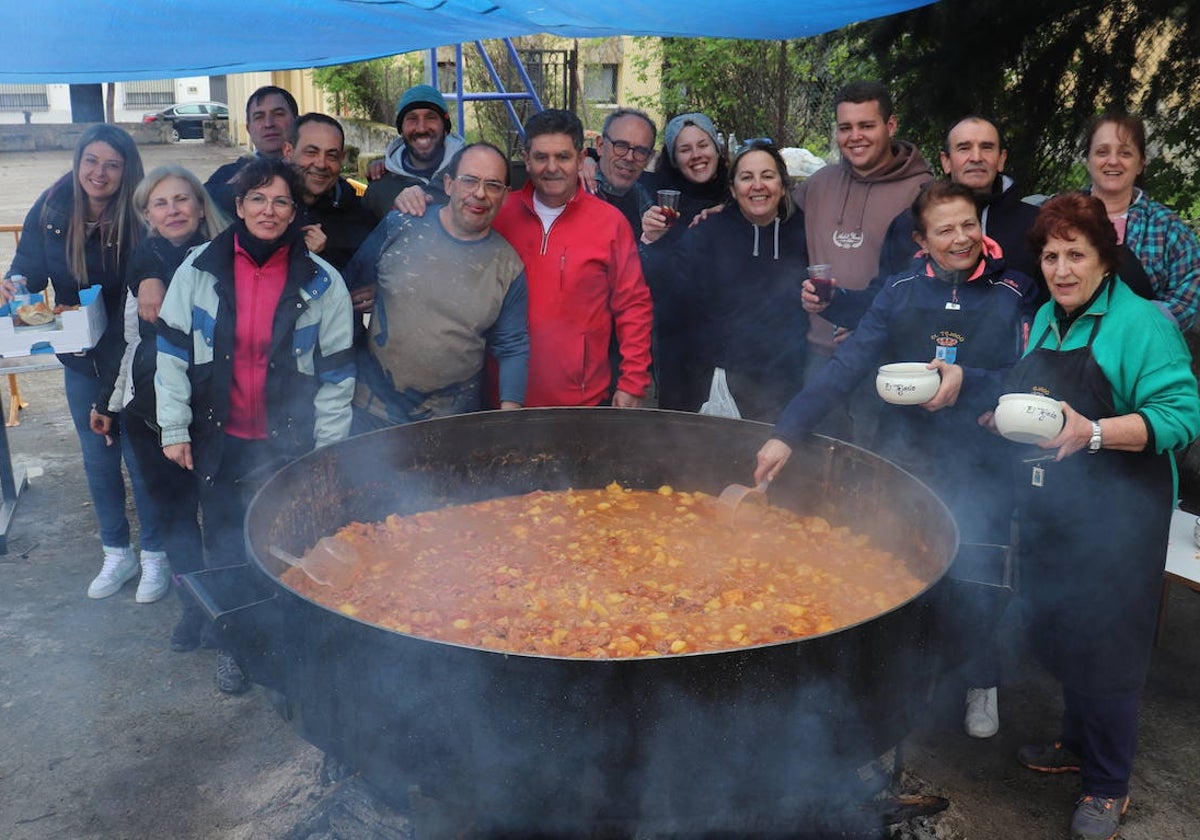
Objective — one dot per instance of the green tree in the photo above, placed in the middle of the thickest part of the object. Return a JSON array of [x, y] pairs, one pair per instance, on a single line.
[[782, 89], [370, 89], [1045, 68]]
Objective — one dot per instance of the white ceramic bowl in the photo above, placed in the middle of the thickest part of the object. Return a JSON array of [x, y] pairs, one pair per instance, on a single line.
[[907, 383], [1028, 418]]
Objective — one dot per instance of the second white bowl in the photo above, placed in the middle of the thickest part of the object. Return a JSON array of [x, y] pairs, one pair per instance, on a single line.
[[1028, 418]]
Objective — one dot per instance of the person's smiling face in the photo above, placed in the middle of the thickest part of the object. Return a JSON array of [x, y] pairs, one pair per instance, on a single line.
[[424, 133], [864, 136], [100, 170], [953, 236], [173, 211], [758, 187], [621, 171], [318, 156], [1114, 161], [695, 155], [552, 162], [267, 210]]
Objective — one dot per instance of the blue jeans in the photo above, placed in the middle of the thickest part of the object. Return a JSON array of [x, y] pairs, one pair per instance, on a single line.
[[102, 466]]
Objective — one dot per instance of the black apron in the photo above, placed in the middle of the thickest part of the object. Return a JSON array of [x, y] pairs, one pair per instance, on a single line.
[[1133, 273], [1093, 535], [962, 462]]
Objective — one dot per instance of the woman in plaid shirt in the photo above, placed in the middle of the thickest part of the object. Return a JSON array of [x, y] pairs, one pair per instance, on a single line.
[[1160, 257]]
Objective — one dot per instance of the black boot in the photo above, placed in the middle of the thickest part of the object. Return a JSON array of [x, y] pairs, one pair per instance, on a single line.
[[187, 633], [231, 679]]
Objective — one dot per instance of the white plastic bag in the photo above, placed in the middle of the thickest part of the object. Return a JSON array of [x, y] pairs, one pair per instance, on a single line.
[[720, 401]]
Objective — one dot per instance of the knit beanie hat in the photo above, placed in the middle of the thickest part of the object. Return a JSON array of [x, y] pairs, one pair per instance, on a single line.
[[679, 124], [422, 96]]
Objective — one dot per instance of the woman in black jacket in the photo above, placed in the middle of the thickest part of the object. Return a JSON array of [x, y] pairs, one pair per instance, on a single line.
[[730, 290], [81, 233], [180, 216]]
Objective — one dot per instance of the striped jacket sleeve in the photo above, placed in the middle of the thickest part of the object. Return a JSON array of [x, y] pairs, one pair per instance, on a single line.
[[333, 362], [172, 388]]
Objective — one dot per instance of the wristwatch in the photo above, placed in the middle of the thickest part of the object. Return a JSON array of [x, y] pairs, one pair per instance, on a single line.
[[1097, 440]]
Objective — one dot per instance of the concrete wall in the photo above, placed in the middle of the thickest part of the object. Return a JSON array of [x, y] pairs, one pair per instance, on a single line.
[[36, 138]]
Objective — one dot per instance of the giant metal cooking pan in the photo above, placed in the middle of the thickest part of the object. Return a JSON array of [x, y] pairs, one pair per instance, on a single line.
[[543, 742]]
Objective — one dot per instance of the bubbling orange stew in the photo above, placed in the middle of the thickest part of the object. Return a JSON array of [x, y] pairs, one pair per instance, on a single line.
[[610, 573]]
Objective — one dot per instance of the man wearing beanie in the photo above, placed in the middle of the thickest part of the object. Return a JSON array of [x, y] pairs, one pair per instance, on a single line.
[[419, 154]]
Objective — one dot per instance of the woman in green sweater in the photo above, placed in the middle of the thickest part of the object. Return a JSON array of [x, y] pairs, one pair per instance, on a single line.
[[1095, 511]]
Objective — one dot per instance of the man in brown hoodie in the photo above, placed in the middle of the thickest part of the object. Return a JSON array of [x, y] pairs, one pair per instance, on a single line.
[[847, 210]]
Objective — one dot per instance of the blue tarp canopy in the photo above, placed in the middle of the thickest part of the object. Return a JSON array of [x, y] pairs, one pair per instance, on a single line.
[[69, 41]]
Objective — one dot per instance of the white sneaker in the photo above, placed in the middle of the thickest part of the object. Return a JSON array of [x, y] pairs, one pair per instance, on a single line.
[[156, 577], [983, 713], [119, 566]]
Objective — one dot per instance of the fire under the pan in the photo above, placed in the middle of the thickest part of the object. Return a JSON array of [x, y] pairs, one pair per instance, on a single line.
[[871, 807]]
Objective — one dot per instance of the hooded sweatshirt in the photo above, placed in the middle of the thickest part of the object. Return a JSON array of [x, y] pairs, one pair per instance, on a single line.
[[400, 175], [728, 296], [847, 216]]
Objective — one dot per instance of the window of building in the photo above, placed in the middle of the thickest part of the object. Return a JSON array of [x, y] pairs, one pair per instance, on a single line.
[[154, 93], [23, 98], [600, 83]]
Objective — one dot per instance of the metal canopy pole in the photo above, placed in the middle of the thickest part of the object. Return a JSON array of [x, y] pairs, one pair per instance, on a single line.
[[501, 94]]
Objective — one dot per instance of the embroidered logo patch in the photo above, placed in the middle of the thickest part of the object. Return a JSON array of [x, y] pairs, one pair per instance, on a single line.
[[848, 238]]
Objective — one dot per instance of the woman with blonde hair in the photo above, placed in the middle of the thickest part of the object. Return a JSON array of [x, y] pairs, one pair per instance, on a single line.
[[180, 216], [81, 232]]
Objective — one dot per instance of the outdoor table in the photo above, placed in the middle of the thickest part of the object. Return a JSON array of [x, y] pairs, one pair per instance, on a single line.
[[1183, 563]]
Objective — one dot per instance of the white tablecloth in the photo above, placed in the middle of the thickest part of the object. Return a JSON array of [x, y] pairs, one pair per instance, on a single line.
[[1183, 557]]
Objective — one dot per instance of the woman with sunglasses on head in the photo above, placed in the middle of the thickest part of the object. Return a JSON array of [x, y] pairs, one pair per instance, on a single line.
[[731, 288], [80, 233], [255, 365]]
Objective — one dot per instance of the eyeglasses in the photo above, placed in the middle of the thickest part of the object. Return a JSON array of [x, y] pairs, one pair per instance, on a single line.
[[491, 187], [640, 153], [258, 202]]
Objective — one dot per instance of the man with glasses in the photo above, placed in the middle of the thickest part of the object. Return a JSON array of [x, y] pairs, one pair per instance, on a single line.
[[271, 113], [585, 278], [626, 146], [334, 220], [446, 292]]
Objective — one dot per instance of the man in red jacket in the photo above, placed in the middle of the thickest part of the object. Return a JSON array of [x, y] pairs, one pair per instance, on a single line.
[[583, 273]]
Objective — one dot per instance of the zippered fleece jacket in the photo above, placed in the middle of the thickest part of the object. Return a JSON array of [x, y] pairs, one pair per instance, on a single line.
[[846, 216], [310, 364], [585, 283]]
